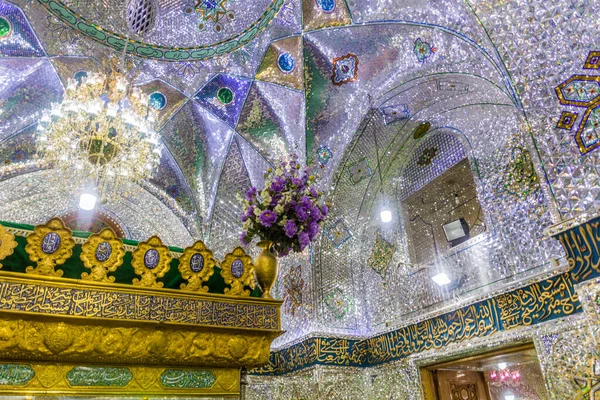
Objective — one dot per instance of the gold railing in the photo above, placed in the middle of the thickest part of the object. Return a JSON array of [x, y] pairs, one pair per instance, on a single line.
[[60, 334]]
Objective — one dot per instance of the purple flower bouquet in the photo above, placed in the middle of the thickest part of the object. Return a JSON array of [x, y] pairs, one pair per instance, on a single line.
[[289, 210]]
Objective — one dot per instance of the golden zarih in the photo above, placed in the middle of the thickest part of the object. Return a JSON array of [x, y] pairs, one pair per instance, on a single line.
[[237, 271], [103, 253], [196, 265], [49, 245], [151, 260], [7, 243]]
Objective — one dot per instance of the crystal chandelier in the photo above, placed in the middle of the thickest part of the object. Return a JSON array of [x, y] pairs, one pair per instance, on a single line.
[[100, 138]]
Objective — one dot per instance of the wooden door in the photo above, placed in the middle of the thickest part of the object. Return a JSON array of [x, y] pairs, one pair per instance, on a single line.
[[461, 385]]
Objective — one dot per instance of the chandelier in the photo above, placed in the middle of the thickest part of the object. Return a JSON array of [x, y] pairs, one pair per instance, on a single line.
[[100, 138]]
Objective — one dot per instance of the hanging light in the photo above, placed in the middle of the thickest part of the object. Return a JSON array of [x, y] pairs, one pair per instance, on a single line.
[[385, 214], [87, 201], [441, 279], [101, 132]]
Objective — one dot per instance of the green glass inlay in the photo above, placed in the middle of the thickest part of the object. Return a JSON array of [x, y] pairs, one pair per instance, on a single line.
[[187, 379], [5, 28], [225, 95], [99, 376], [15, 374], [112, 39]]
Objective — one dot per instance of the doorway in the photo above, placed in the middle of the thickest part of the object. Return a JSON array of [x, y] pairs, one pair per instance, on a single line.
[[507, 374]]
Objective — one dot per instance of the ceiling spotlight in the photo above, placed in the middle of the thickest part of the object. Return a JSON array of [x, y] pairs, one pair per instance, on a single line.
[[502, 366], [386, 215], [509, 397], [87, 201], [441, 279], [456, 231]]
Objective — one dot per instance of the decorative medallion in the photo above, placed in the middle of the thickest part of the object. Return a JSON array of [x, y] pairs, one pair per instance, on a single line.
[[15, 374], [215, 11], [293, 287], [421, 130], [7, 243], [423, 50], [592, 61], [381, 255], [359, 171], [208, 10], [187, 379], [286, 62], [6, 28], [99, 376], [49, 245], [338, 303], [196, 265], [338, 233], [237, 268], [582, 91], [395, 112], [151, 260], [238, 272], [345, 69], [225, 95], [158, 101], [427, 156], [103, 253], [327, 6], [566, 120], [324, 155]]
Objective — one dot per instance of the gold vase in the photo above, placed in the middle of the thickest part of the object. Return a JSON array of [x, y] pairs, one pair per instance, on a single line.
[[265, 268]]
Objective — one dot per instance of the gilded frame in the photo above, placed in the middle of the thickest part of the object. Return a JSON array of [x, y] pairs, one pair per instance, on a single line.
[[89, 256], [7, 243], [195, 279], [45, 236], [238, 283], [140, 258]]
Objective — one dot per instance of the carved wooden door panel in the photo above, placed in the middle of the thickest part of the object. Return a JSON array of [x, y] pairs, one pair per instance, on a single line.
[[461, 385]]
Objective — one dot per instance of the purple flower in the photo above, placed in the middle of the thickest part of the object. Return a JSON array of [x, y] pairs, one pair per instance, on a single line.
[[324, 210], [268, 218], [275, 200], [303, 240], [297, 183], [278, 185], [251, 193], [312, 230], [313, 192], [306, 202], [290, 229], [244, 238], [248, 214], [315, 213], [301, 212]]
